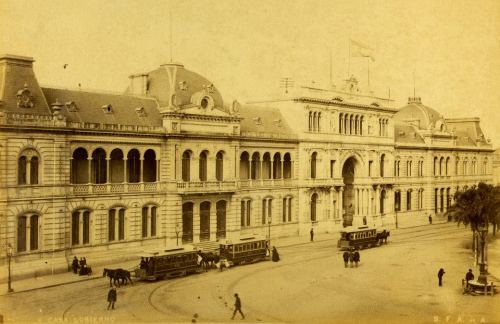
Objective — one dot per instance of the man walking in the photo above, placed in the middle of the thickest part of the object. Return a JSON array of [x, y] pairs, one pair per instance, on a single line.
[[430, 219], [237, 306], [468, 277], [312, 234], [440, 276], [112, 298], [356, 258]]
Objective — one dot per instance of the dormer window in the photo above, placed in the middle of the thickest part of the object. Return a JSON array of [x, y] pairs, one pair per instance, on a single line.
[[204, 102], [24, 98], [107, 109], [375, 104], [140, 112], [258, 120], [339, 99], [71, 106], [183, 85]]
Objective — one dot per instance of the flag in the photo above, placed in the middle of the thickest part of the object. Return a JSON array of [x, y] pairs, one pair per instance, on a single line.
[[358, 49]]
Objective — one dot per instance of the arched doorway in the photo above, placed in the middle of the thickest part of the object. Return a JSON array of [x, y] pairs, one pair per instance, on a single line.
[[348, 203]]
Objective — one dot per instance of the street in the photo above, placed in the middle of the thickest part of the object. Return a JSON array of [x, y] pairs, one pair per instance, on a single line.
[[394, 283]]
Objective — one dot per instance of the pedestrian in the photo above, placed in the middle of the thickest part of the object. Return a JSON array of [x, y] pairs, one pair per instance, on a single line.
[[112, 298], [440, 276], [430, 219], [276, 256], [351, 258], [312, 234], [346, 258], [142, 265], [237, 306], [356, 258], [468, 277], [74, 265]]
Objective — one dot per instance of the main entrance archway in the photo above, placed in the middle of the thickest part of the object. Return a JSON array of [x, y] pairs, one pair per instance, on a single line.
[[348, 203]]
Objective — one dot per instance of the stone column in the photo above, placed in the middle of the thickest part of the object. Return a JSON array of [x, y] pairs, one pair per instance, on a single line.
[[89, 170], [28, 233], [158, 170], [340, 201], [117, 224], [331, 211], [281, 168], [108, 175], [370, 201], [148, 222], [377, 201], [28, 171], [124, 170], [141, 170], [356, 198]]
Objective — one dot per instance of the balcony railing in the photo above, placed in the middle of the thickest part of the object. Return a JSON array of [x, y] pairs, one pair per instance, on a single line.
[[204, 186], [85, 189], [266, 183]]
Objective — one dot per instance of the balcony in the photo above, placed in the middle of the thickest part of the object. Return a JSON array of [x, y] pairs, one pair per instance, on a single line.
[[206, 186], [266, 183], [88, 189]]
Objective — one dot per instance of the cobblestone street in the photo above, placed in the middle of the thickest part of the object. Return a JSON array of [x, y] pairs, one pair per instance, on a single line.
[[393, 283]]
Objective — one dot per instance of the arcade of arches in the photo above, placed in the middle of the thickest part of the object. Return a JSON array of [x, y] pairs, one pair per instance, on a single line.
[[205, 220]]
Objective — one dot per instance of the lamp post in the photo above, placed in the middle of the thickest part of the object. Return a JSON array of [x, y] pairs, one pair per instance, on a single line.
[[269, 231], [177, 232], [483, 233], [9, 257]]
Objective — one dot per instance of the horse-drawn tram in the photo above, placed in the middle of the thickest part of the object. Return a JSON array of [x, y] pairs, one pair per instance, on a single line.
[[244, 250], [361, 237], [167, 263]]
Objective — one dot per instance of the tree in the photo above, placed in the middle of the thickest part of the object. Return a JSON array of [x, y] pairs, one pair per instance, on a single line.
[[477, 207]]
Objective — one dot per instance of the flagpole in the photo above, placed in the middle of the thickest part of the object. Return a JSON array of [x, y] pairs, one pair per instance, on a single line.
[[349, 61]]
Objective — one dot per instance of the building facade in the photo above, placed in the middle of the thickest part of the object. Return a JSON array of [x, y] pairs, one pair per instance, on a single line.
[[168, 162]]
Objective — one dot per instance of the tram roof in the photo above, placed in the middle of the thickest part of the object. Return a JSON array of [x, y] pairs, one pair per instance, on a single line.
[[352, 229], [241, 240], [168, 251]]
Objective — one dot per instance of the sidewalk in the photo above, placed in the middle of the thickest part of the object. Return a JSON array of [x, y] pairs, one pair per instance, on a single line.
[[58, 279]]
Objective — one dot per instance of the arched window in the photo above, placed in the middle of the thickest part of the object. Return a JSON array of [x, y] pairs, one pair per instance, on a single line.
[[80, 227], [341, 123], [99, 166], [408, 199], [314, 121], [219, 166], [287, 209], [441, 166], [186, 165], [221, 219], [318, 128], [447, 165], [361, 120], [266, 166], [149, 166], [205, 221], [116, 166], [80, 166], [287, 166], [255, 168], [203, 166], [351, 124], [314, 202], [116, 224], [134, 166], [244, 166], [435, 166], [28, 167], [313, 165], [397, 200], [27, 232], [267, 210], [382, 201], [382, 165], [277, 166], [356, 125], [310, 121], [246, 211]]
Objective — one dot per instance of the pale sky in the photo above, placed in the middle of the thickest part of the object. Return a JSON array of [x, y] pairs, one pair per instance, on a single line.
[[245, 47]]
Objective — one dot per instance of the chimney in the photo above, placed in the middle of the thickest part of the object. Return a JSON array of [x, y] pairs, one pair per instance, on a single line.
[[139, 84]]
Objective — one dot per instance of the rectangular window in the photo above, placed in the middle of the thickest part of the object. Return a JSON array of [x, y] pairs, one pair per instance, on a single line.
[[248, 210], [370, 167], [34, 232], [86, 227], [145, 221], [269, 210], [75, 227], [284, 210], [243, 214], [111, 225], [153, 221], [264, 210], [289, 209], [332, 168], [121, 224]]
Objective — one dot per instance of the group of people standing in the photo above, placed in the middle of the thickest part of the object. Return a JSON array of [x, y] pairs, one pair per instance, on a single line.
[[82, 265], [351, 256]]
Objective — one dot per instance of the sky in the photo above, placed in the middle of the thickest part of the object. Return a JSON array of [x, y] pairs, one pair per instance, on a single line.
[[449, 51]]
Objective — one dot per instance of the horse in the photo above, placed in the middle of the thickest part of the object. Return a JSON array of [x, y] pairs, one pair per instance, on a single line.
[[382, 237], [116, 275], [207, 260]]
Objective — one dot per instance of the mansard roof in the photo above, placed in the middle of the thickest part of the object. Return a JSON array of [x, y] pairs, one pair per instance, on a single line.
[[264, 120], [419, 115], [91, 107], [407, 134]]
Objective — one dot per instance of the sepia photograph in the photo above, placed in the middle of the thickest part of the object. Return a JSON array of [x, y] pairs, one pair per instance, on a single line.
[[218, 161]]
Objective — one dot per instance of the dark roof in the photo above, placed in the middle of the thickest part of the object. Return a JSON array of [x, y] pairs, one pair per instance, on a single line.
[[407, 134], [264, 120], [89, 107]]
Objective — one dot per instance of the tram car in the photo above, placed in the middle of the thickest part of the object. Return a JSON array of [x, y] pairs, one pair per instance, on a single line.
[[244, 250], [361, 237], [168, 263]]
